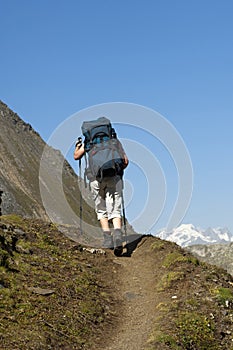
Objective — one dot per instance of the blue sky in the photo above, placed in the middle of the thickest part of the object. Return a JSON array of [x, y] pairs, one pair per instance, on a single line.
[[173, 56]]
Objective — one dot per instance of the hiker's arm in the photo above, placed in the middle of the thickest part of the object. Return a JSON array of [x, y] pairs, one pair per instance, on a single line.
[[124, 156], [126, 160], [79, 152]]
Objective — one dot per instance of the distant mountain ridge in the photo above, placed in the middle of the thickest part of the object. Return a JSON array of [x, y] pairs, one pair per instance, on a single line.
[[187, 235]]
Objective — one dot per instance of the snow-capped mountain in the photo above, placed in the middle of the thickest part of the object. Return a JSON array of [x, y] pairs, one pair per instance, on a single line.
[[187, 234]]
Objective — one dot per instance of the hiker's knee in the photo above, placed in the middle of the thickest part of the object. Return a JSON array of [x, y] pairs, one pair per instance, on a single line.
[[101, 214]]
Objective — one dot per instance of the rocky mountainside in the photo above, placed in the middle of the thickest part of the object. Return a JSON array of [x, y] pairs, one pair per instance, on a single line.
[[187, 235], [216, 254], [21, 150], [37, 182], [214, 246], [24, 160]]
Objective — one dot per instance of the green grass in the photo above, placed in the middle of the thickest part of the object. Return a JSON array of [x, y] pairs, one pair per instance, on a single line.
[[176, 257], [168, 278], [67, 318], [223, 295], [195, 331]]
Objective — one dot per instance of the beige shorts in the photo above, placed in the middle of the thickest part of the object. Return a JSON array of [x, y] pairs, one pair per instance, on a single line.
[[108, 197]]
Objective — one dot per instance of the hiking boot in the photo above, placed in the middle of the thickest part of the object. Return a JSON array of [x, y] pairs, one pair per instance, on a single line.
[[117, 240], [108, 240]]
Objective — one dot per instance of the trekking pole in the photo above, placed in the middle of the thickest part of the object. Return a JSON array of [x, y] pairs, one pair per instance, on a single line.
[[80, 191], [123, 212], [80, 198]]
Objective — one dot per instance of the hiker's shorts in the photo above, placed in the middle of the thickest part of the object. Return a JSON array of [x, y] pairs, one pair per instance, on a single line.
[[107, 196]]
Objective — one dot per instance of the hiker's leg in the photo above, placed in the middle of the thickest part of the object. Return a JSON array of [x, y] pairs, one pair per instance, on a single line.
[[114, 200], [113, 204], [108, 239], [98, 193], [104, 224], [116, 223]]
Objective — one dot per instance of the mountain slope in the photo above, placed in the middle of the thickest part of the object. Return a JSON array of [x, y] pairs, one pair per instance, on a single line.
[[187, 235], [21, 151], [38, 182], [216, 254], [56, 295]]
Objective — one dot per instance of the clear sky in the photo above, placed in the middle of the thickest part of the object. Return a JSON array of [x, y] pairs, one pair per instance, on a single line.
[[172, 56]]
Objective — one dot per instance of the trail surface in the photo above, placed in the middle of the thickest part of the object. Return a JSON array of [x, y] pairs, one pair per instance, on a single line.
[[136, 292]]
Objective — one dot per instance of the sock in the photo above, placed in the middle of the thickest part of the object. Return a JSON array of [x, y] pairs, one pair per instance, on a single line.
[[107, 233], [117, 230]]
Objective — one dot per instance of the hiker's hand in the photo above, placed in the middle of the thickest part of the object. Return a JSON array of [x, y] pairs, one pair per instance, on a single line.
[[79, 151], [78, 143], [125, 160]]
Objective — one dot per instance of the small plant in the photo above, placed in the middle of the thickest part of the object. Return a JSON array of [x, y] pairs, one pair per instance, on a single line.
[[166, 339], [160, 340], [12, 219], [168, 278], [224, 295], [193, 303], [172, 258], [195, 331], [176, 257], [4, 256], [157, 245]]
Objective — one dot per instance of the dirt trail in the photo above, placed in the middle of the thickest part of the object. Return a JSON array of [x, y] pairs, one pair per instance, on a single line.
[[136, 289]]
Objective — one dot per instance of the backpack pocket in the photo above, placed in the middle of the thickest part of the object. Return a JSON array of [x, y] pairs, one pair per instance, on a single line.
[[105, 160]]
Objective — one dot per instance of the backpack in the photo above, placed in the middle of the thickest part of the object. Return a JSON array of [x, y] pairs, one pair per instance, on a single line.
[[105, 154]]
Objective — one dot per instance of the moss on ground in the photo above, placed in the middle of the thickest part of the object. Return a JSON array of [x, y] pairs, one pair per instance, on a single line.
[[52, 298], [168, 278], [197, 308], [178, 257], [54, 295]]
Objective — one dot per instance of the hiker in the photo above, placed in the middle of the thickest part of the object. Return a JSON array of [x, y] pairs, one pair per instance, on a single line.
[[105, 182]]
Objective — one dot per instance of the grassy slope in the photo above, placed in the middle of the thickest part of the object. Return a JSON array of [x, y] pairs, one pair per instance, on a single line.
[[53, 295], [196, 308], [77, 302]]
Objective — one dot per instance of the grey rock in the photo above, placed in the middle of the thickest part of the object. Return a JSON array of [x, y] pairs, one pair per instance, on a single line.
[[220, 255]]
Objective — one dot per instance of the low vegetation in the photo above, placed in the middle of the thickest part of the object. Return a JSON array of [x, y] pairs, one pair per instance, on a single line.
[[52, 294], [56, 295], [197, 312]]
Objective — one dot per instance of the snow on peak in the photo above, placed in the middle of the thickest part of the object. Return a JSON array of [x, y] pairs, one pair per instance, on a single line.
[[187, 234]]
